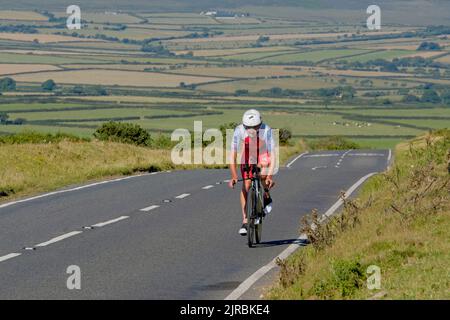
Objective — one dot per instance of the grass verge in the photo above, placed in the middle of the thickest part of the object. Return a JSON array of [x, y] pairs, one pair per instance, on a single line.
[[399, 223], [31, 163]]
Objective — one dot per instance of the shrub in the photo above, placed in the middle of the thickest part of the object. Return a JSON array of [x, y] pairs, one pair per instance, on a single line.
[[285, 136], [346, 277], [430, 96], [123, 132], [3, 117], [7, 84], [48, 85], [334, 143]]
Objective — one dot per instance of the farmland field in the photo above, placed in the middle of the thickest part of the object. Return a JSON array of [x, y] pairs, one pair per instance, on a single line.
[[21, 15], [164, 70], [114, 77]]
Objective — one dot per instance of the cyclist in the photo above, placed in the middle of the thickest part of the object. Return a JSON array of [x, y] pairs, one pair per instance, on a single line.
[[254, 142]]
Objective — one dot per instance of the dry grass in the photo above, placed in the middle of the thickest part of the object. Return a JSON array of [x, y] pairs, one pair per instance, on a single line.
[[304, 83], [42, 38], [21, 68], [119, 99], [35, 168], [21, 15], [114, 77], [243, 72], [32, 168], [445, 59], [227, 52]]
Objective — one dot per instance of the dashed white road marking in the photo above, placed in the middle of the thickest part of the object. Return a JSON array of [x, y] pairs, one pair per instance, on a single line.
[[153, 207], [208, 187], [60, 238], [70, 190], [250, 281], [298, 157], [366, 155], [322, 155], [102, 224], [321, 167], [182, 196], [9, 256]]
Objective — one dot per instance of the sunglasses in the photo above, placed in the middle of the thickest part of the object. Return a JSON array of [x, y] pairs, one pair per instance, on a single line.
[[254, 127]]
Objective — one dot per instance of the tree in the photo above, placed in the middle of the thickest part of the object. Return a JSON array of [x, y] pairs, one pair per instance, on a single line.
[[429, 46], [7, 84], [446, 97], [430, 96], [410, 98], [3, 117], [241, 92], [48, 85]]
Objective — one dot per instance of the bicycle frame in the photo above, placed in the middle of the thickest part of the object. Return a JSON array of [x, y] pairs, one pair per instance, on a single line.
[[259, 191]]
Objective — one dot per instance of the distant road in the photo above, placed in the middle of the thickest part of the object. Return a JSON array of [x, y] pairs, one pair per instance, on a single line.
[[168, 235]]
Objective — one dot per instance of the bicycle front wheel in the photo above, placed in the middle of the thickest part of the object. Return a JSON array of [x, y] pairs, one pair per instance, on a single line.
[[251, 216]]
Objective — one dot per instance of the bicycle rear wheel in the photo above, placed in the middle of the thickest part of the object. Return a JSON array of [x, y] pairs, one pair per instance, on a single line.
[[258, 231], [251, 216]]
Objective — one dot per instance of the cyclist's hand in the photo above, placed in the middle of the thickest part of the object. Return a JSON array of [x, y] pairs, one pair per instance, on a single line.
[[232, 182], [269, 182]]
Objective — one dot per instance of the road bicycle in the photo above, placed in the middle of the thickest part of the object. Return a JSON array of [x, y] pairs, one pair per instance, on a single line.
[[255, 207]]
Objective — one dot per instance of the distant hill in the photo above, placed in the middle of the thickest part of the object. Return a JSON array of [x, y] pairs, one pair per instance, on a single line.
[[395, 11]]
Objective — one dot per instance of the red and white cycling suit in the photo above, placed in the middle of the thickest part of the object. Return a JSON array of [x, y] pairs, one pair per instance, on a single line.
[[254, 150]]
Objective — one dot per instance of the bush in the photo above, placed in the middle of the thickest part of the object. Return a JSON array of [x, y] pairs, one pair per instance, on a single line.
[[410, 98], [7, 84], [123, 132], [48, 85], [285, 136], [334, 143], [430, 96], [346, 277], [3, 117], [429, 46], [162, 141], [230, 125]]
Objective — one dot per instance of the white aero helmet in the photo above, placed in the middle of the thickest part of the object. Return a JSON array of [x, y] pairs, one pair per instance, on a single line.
[[251, 118]]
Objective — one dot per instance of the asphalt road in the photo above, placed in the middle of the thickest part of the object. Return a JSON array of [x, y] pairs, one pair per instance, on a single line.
[[185, 246]]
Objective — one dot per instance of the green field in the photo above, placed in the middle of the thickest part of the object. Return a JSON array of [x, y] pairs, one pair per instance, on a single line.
[[387, 55], [314, 56]]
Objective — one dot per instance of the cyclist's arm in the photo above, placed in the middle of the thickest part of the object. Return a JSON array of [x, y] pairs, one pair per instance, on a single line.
[[272, 151], [233, 170]]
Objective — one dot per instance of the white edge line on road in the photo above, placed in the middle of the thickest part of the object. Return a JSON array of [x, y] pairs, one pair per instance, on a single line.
[[184, 195], [9, 256], [59, 238], [70, 190], [250, 281], [208, 187], [296, 158], [102, 224], [389, 156], [150, 208]]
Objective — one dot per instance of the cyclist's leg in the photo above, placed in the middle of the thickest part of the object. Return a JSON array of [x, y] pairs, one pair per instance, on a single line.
[[245, 187], [245, 174]]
